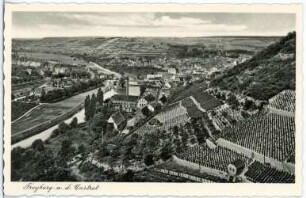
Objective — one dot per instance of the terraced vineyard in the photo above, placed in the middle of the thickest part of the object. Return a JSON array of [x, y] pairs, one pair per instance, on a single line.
[[272, 135], [218, 158], [192, 109], [207, 101], [172, 166], [261, 173], [284, 101]]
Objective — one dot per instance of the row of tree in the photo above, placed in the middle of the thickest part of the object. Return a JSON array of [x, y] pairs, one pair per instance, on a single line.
[[90, 104], [60, 94]]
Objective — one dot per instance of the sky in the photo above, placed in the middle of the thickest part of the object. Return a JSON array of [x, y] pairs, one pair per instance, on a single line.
[[75, 24]]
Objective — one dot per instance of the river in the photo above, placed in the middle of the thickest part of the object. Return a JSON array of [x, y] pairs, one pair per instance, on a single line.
[[103, 70], [47, 133]]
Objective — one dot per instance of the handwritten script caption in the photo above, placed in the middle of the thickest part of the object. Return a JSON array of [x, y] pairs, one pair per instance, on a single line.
[[37, 188]]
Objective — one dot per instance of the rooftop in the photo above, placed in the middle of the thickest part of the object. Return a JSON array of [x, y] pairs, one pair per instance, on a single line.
[[118, 118], [128, 98]]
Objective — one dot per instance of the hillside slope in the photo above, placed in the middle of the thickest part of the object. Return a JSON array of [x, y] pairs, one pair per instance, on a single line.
[[269, 72]]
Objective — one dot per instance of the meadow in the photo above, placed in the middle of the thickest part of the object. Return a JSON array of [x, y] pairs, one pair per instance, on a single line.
[[60, 58], [47, 112]]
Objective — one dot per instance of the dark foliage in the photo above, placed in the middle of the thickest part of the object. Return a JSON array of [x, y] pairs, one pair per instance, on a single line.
[[263, 76]]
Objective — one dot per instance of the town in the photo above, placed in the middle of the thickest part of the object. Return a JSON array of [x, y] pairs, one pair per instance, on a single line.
[[154, 110]]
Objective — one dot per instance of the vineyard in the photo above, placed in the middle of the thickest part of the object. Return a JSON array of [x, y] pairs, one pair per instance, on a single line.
[[192, 109], [155, 175], [207, 101], [171, 166], [261, 173], [172, 115], [291, 159], [284, 101], [218, 158], [272, 135], [185, 92]]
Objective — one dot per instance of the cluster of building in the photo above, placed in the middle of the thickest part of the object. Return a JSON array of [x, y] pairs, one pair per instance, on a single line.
[[135, 106]]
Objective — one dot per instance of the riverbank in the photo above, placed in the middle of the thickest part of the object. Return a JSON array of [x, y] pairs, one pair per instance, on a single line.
[[47, 116], [47, 112], [44, 135]]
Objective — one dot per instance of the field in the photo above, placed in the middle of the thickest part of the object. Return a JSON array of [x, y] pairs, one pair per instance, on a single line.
[[60, 58], [218, 158], [284, 101], [261, 173], [46, 112], [108, 47], [19, 108], [271, 134], [172, 165]]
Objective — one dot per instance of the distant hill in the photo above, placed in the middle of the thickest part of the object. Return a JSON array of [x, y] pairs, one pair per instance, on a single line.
[[269, 72], [124, 46]]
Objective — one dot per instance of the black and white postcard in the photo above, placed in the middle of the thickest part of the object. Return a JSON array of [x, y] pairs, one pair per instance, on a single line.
[[148, 99]]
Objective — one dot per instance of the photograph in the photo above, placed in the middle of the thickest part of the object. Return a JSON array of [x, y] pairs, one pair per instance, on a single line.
[[153, 97]]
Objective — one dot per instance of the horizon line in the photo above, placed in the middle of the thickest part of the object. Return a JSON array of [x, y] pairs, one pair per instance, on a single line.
[[36, 38]]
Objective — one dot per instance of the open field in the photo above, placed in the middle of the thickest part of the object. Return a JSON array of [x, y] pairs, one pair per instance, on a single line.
[[150, 46], [48, 112], [19, 108], [60, 58]]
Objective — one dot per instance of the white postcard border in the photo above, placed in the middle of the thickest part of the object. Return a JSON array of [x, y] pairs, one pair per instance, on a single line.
[[156, 189]]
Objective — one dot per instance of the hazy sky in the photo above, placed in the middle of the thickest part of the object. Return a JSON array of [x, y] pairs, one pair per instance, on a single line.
[[55, 24]]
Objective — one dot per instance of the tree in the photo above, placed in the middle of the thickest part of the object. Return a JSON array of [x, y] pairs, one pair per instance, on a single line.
[[122, 82], [142, 89], [167, 151], [158, 107], [67, 151], [232, 100], [185, 137], [55, 133], [163, 99], [133, 140], [150, 142], [17, 158], [245, 115], [74, 122], [146, 111], [81, 149], [149, 160], [175, 130], [115, 152], [103, 151], [87, 108], [63, 127], [248, 104], [128, 176], [100, 96], [43, 95], [38, 145], [93, 103], [201, 137]]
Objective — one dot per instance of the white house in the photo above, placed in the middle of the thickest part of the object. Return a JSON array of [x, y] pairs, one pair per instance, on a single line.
[[142, 103], [172, 71]]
